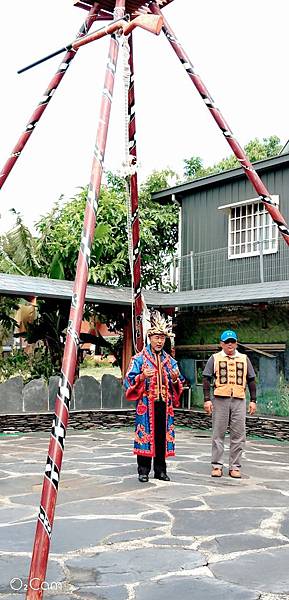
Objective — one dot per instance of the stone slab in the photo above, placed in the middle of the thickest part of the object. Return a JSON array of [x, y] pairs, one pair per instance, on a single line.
[[87, 393], [240, 543], [14, 572], [193, 588], [261, 473], [161, 492], [71, 535], [11, 400], [245, 498], [35, 396], [53, 385], [214, 522], [116, 592], [136, 537], [187, 504], [268, 373], [131, 566], [20, 485], [265, 572], [100, 507], [170, 540], [119, 471], [111, 392], [91, 488], [12, 514]]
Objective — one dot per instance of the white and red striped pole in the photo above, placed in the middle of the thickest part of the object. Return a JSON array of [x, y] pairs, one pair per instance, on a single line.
[[252, 175], [56, 446], [135, 226], [53, 85]]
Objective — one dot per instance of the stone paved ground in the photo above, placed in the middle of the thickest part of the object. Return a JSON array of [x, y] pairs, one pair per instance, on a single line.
[[195, 538]]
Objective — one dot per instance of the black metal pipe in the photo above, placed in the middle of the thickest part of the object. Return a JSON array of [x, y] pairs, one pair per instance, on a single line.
[[68, 48]]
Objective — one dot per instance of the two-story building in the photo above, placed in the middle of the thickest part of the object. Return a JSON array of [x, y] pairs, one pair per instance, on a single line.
[[233, 272]]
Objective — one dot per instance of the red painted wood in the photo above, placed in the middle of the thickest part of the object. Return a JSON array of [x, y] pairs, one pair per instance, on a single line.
[[53, 85], [224, 127], [56, 446], [131, 6]]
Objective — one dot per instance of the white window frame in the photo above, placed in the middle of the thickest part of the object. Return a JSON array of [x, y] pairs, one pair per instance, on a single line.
[[248, 233]]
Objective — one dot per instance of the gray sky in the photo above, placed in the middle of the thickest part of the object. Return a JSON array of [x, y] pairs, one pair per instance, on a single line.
[[240, 50]]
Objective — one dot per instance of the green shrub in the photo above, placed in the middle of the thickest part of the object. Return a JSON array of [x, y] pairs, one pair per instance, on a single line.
[[34, 366]]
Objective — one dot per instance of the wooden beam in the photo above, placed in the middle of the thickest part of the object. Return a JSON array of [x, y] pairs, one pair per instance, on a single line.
[[257, 350], [260, 348]]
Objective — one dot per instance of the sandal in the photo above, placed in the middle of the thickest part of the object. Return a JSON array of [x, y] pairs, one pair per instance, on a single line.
[[216, 472]]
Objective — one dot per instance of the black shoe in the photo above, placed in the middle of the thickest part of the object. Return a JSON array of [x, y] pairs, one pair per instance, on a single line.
[[143, 478], [162, 476]]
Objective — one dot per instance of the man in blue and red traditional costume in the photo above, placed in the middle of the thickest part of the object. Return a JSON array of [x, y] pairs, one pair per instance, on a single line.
[[153, 380]]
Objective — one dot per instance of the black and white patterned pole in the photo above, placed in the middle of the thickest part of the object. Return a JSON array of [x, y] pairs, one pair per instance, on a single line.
[[56, 446], [250, 172], [49, 92]]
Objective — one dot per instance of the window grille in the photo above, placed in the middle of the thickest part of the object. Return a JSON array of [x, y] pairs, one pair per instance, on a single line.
[[251, 230]]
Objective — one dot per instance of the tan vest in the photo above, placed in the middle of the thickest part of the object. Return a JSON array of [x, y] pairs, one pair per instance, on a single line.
[[230, 375]]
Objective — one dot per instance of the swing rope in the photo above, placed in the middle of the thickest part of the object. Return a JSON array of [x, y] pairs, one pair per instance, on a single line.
[[129, 168]]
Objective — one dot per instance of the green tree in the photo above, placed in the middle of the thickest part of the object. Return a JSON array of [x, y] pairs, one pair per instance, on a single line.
[[255, 150], [53, 253], [60, 233], [8, 307], [18, 250], [193, 168]]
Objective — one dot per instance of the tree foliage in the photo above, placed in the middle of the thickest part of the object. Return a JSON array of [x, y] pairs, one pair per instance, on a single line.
[[255, 150], [8, 307], [60, 233], [19, 250], [54, 250]]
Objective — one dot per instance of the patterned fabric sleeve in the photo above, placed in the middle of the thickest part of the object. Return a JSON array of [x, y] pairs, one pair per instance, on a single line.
[[177, 385], [134, 386]]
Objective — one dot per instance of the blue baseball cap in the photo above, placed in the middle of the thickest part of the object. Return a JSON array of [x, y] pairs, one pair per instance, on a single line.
[[228, 335]]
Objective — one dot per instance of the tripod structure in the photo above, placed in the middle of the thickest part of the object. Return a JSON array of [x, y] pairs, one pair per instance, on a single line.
[[124, 17]]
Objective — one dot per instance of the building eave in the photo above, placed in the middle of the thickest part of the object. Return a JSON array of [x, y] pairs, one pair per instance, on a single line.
[[25, 287], [184, 189]]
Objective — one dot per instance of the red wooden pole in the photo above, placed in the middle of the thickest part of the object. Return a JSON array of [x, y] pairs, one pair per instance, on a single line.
[[138, 338], [53, 85], [224, 127], [56, 446]]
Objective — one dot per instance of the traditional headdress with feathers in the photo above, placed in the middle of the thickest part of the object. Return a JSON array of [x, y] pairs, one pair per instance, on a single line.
[[159, 325]]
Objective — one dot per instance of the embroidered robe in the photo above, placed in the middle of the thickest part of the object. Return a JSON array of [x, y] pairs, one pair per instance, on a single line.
[[158, 388]]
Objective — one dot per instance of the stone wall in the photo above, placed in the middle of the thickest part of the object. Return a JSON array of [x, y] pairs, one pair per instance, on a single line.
[[82, 420], [269, 427], [38, 397], [262, 426]]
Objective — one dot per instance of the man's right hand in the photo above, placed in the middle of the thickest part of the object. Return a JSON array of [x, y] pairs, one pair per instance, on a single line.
[[147, 372], [208, 407]]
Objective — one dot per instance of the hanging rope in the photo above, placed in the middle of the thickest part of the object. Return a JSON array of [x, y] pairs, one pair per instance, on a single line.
[[128, 169]]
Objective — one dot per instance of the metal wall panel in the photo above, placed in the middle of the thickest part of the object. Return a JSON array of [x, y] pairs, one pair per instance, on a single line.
[[206, 228]]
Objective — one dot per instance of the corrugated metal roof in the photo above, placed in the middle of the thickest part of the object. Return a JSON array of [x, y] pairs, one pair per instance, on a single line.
[[22, 286], [210, 180], [235, 294]]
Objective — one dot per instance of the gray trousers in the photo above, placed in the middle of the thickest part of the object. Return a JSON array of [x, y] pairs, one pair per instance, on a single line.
[[228, 413]]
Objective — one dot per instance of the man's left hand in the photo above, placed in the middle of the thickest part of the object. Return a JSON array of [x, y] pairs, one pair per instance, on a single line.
[[252, 408], [175, 375]]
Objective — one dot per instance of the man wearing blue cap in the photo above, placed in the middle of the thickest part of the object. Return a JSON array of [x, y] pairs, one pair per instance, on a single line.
[[231, 372]]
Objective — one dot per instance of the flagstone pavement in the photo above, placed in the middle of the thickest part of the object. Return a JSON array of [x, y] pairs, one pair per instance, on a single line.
[[114, 538]]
